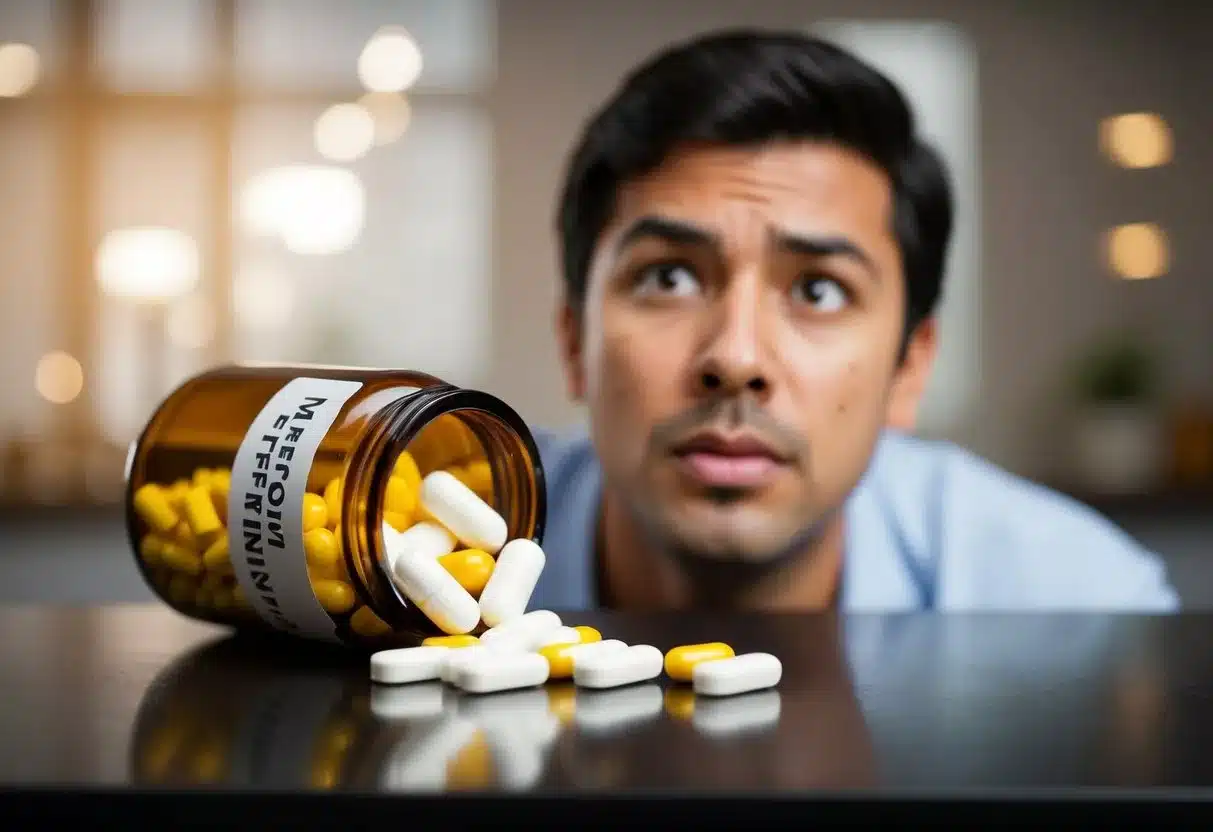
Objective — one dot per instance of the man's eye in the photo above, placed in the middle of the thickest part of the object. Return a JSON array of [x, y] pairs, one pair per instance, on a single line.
[[824, 294], [667, 279]]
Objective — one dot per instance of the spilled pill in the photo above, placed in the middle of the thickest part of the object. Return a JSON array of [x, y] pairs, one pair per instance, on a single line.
[[509, 588], [408, 664], [616, 668], [436, 593], [461, 510], [740, 674], [502, 671]]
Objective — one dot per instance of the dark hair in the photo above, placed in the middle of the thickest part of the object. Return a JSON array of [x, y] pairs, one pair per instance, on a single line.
[[747, 88]]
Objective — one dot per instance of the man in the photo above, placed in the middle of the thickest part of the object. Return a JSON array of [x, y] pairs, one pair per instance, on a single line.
[[753, 240]]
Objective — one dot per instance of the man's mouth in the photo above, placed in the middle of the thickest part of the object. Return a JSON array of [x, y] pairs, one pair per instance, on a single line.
[[719, 460]]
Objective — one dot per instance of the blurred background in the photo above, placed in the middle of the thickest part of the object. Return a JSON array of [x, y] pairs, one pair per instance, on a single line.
[[372, 182]]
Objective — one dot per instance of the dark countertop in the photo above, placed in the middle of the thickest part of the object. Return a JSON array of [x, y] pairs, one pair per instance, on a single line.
[[125, 699]]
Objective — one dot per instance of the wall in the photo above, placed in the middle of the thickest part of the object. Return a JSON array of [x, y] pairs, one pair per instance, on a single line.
[[1048, 72]]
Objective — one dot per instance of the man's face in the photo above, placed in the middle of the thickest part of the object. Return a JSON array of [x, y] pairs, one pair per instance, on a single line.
[[738, 347]]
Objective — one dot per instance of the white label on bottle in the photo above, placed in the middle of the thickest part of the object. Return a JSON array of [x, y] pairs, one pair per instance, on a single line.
[[265, 506]]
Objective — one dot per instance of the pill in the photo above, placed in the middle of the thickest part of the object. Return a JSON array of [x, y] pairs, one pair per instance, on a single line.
[[462, 656], [396, 521], [407, 702], [407, 470], [616, 668], [461, 510], [200, 513], [436, 592], [679, 661], [740, 674], [399, 497], [731, 716], [408, 664], [502, 671], [471, 567], [201, 478], [563, 657], [365, 623], [321, 550], [335, 596], [508, 591], [611, 711], [217, 557], [150, 549], [456, 642], [178, 557], [557, 637], [427, 539], [176, 494], [315, 512], [184, 536], [524, 630], [154, 507], [332, 501], [588, 634]]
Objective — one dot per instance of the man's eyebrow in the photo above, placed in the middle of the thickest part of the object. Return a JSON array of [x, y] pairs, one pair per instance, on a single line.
[[826, 246], [667, 230]]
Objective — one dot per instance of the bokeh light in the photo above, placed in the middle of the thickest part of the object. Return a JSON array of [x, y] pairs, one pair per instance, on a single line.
[[1137, 140], [391, 114], [58, 378], [390, 62], [344, 132], [313, 209], [148, 264], [1138, 251], [20, 67]]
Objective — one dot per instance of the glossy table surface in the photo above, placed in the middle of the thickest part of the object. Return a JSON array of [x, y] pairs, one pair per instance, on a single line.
[[137, 696]]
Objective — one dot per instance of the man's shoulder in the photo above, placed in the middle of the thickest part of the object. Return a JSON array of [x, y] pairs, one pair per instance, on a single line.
[[995, 539]]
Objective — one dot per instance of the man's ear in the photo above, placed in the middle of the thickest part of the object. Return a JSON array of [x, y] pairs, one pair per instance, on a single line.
[[568, 337], [911, 377]]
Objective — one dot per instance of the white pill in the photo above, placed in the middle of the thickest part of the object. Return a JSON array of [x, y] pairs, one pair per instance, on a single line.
[[734, 715], [613, 669], [580, 651], [463, 655], [525, 630], [561, 635], [740, 674], [461, 510], [408, 664], [436, 592], [608, 711], [407, 702], [509, 588], [503, 671], [427, 539]]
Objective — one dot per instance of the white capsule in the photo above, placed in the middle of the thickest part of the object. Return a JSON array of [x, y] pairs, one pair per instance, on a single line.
[[408, 664], [509, 589], [561, 635], [426, 539], [609, 711], [436, 592], [407, 702], [638, 663], [525, 630], [464, 655], [734, 715], [580, 651], [503, 671], [461, 510], [740, 674]]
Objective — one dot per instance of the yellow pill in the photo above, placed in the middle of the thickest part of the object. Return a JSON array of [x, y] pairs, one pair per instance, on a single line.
[[152, 504], [217, 557], [451, 641], [396, 520], [560, 660], [176, 494], [332, 501], [406, 468], [336, 597], [321, 549], [213, 581], [219, 492], [562, 702], [364, 622], [680, 703], [221, 478], [315, 512], [201, 478], [680, 661], [151, 548], [471, 567], [478, 476], [184, 536], [181, 590], [400, 498], [588, 634], [200, 512], [181, 559]]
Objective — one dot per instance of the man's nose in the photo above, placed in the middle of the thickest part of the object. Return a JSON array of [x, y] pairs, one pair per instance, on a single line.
[[734, 356]]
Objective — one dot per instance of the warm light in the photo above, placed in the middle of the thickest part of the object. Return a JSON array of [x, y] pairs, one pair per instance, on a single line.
[[191, 323], [391, 113], [19, 69], [344, 132], [58, 378], [390, 61], [1138, 252], [314, 209], [148, 264], [262, 301], [1136, 140]]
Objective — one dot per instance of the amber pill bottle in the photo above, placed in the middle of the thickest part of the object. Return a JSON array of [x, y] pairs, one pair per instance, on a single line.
[[257, 495]]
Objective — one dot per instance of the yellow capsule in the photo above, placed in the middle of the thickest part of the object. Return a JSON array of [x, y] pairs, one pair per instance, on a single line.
[[332, 501], [221, 478], [150, 549], [213, 581], [200, 512], [406, 468], [397, 521], [679, 703], [364, 622], [201, 478], [181, 559], [471, 567], [176, 495], [451, 641], [217, 557], [219, 491], [562, 702], [315, 512], [321, 549], [588, 634], [472, 766], [400, 497], [152, 504], [181, 590], [336, 597], [680, 661], [184, 536], [478, 476]]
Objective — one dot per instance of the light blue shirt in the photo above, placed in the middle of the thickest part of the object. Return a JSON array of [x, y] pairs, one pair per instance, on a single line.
[[931, 527]]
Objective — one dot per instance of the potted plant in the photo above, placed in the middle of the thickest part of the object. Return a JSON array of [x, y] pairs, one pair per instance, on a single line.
[[1118, 446]]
